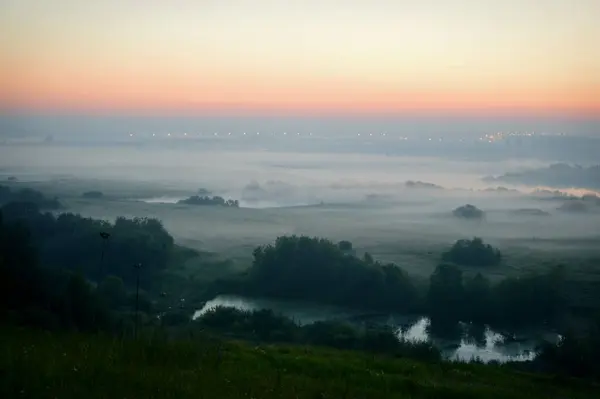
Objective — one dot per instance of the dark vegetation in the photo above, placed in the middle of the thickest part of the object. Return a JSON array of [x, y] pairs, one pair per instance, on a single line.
[[266, 326], [47, 365], [28, 195], [574, 207], [473, 253], [530, 212], [421, 184], [206, 200], [75, 243], [501, 190], [304, 268], [42, 297], [468, 211], [318, 270], [66, 272]]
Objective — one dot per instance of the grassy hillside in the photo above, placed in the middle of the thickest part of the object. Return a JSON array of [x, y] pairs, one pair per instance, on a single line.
[[44, 365]]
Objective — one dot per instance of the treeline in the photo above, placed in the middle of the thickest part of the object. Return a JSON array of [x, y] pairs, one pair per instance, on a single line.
[[28, 195], [536, 300], [266, 326], [316, 269], [319, 270], [94, 248], [68, 271], [206, 200], [43, 297]]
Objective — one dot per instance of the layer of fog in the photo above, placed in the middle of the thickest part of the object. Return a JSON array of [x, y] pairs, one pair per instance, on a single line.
[[362, 198]]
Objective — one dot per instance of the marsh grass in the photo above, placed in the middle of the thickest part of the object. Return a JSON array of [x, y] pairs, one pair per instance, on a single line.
[[67, 365]]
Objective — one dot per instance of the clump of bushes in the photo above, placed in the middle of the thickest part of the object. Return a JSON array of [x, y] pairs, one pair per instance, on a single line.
[[468, 211], [473, 253], [206, 200]]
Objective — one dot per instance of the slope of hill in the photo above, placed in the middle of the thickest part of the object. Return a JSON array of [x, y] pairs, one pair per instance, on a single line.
[[46, 365]]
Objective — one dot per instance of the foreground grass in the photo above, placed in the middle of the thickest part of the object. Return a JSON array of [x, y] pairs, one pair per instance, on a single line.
[[43, 365]]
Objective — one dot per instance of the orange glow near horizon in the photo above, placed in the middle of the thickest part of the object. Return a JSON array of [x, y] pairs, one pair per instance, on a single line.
[[320, 57]]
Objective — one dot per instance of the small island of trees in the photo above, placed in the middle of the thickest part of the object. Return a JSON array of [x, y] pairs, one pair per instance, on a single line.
[[206, 200], [468, 211], [28, 195]]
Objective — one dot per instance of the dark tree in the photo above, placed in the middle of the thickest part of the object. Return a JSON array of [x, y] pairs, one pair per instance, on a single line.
[[446, 294], [473, 253]]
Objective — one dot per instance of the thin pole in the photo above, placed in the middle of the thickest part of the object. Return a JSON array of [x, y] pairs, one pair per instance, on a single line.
[[137, 298], [105, 236]]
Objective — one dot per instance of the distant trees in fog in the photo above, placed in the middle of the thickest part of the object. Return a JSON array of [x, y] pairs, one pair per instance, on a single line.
[[574, 207], [206, 200], [422, 185], [93, 194], [468, 211], [555, 175], [28, 195], [472, 253]]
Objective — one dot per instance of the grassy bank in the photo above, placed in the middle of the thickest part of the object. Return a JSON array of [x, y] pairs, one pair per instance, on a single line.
[[43, 365]]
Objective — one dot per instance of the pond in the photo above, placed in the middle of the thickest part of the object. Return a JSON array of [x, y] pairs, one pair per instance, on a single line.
[[467, 342]]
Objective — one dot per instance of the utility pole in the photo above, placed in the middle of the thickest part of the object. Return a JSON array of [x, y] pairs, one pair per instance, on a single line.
[[137, 297], [105, 236]]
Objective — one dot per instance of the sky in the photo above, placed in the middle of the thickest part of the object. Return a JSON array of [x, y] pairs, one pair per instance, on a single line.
[[311, 56]]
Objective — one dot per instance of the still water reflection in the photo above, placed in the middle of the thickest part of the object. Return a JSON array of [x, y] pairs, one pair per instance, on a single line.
[[466, 343]]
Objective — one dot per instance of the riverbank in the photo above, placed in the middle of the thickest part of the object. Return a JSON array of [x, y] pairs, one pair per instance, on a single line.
[[471, 342]]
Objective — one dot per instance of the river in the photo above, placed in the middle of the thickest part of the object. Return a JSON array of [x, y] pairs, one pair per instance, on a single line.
[[485, 344]]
